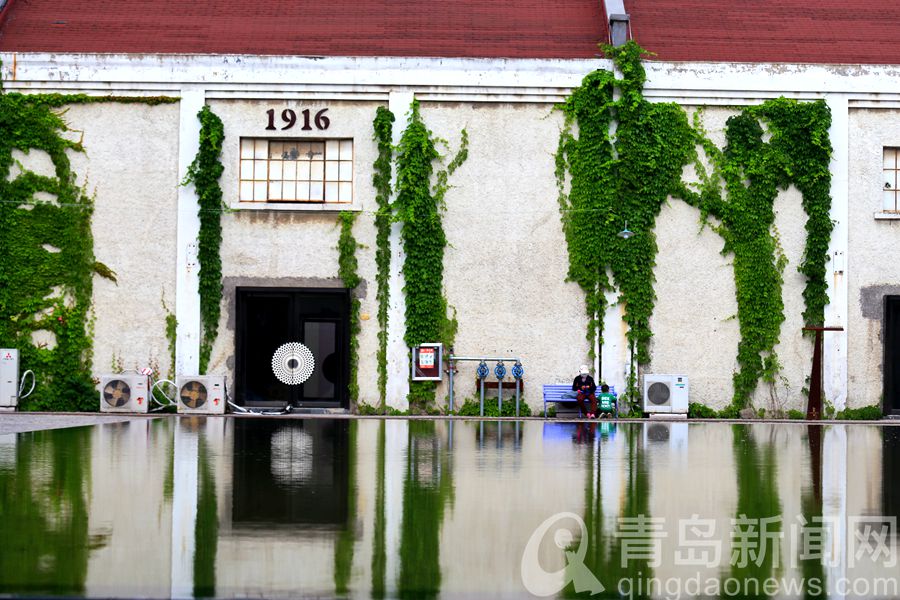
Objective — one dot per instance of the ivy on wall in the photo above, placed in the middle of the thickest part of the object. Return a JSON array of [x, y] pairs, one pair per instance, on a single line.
[[614, 182], [347, 271], [46, 258], [418, 207], [625, 179], [751, 171], [204, 173], [381, 178]]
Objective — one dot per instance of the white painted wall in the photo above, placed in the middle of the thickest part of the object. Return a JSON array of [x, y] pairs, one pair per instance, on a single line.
[[506, 263], [130, 167], [872, 269]]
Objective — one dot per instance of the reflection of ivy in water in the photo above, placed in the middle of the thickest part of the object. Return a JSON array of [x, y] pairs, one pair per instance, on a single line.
[[44, 514], [757, 493], [604, 553], [343, 547], [379, 553], [206, 529], [427, 489]]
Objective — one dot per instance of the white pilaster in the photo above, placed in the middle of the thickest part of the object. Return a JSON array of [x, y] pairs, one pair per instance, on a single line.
[[615, 360], [398, 365], [184, 510], [834, 501], [187, 281], [835, 343], [396, 448]]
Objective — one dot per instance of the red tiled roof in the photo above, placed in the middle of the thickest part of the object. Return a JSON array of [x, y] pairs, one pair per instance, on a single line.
[[800, 31], [449, 28]]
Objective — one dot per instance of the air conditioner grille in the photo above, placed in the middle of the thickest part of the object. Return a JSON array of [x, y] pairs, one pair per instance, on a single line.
[[193, 394], [658, 393], [117, 393]]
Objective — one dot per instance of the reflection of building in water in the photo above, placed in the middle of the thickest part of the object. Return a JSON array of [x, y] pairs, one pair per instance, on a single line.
[[284, 508], [290, 472]]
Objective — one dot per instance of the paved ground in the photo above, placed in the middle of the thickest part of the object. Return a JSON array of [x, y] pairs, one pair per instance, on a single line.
[[17, 422]]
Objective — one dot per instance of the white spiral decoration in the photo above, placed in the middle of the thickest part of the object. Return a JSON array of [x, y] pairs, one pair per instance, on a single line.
[[293, 363]]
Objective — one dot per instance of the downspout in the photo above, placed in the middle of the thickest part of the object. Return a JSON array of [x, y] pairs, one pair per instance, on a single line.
[[618, 22]]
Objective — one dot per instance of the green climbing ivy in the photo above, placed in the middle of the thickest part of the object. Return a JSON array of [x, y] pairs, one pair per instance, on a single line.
[[751, 171], [46, 257], [418, 208], [347, 271], [625, 179], [381, 179], [618, 181], [204, 173]]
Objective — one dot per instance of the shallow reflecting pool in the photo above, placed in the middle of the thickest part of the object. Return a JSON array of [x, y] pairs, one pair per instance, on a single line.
[[271, 507]]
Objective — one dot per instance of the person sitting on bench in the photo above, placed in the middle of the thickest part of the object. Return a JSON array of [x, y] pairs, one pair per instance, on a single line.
[[606, 401], [586, 388]]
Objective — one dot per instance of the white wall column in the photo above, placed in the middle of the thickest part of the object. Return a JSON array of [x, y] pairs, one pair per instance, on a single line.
[[615, 366], [184, 509], [397, 351], [396, 449], [835, 343], [187, 281]]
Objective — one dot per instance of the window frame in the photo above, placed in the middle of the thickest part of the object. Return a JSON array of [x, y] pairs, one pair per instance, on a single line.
[[330, 182]]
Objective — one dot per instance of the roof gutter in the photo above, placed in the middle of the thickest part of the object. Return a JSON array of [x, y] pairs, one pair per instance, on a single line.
[[618, 22]]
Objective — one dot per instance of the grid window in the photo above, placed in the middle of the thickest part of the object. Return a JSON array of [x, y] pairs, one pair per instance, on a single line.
[[891, 202], [296, 171]]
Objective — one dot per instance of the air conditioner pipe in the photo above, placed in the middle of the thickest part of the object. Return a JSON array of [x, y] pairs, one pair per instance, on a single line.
[[22, 384]]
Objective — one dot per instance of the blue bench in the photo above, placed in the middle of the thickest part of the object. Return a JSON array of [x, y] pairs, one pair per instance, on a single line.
[[562, 392]]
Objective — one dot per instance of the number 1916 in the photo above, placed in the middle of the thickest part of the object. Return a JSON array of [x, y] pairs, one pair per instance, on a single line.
[[289, 118]]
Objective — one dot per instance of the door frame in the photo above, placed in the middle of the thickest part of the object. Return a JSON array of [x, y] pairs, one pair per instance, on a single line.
[[240, 331], [890, 356]]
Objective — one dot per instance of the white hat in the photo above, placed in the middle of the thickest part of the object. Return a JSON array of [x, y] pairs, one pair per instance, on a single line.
[[583, 370]]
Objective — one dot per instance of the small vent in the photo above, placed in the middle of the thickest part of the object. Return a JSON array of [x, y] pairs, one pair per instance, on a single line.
[[658, 393]]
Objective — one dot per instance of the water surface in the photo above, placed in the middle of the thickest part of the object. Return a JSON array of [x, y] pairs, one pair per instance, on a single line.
[[225, 507]]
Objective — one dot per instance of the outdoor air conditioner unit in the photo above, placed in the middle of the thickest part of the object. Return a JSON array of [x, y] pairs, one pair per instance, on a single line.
[[201, 394], [125, 392], [666, 394], [9, 379]]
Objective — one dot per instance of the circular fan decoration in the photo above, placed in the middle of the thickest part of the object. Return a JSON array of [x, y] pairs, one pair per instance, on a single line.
[[193, 394], [293, 363], [117, 393]]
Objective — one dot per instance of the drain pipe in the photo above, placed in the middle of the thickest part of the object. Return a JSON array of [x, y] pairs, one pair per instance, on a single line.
[[618, 22]]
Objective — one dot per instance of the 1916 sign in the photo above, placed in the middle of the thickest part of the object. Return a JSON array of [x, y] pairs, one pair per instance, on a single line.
[[289, 118]]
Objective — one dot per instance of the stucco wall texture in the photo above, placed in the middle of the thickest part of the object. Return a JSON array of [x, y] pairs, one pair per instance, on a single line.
[[130, 166], [281, 248], [506, 260], [870, 270], [505, 264]]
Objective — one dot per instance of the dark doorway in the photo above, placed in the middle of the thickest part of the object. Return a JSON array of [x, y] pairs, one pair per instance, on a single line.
[[268, 372], [891, 366]]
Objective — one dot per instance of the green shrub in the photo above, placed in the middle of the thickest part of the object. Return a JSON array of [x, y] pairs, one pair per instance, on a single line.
[[471, 408], [796, 415], [700, 411], [865, 413]]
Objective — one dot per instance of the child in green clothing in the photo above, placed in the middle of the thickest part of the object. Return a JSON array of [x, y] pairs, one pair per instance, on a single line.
[[606, 402]]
